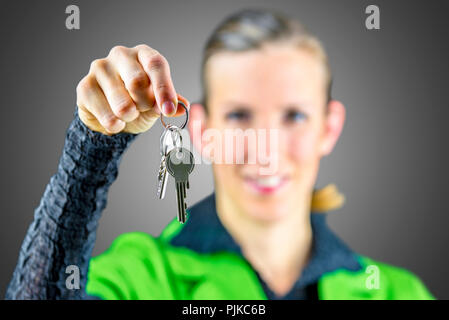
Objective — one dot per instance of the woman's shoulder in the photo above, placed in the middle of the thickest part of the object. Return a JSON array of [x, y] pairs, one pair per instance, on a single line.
[[375, 280]]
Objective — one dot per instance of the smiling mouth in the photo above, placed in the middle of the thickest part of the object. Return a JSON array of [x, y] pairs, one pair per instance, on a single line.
[[266, 184]]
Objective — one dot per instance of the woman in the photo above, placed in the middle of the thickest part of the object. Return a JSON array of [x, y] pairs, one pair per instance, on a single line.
[[258, 236]]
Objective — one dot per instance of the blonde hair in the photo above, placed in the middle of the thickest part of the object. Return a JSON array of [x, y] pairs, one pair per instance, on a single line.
[[327, 199], [250, 29]]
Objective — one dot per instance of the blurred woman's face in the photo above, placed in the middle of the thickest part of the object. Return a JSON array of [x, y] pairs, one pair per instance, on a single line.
[[278, 88]]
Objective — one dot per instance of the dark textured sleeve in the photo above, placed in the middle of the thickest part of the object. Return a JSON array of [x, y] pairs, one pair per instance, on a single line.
[[64, 228]]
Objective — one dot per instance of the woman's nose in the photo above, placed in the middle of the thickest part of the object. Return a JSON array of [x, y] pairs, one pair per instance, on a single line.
[[270, 141]]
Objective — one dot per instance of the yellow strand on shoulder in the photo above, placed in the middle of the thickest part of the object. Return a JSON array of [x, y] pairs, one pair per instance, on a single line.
[[327, 199]]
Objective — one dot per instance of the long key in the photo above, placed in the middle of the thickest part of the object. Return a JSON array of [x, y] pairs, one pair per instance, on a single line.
[[180, 163]]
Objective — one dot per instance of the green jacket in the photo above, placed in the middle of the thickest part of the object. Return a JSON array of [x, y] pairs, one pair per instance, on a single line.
[[140, 266]]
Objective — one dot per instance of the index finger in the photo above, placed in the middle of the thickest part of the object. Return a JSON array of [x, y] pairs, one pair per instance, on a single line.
[[158, 70]]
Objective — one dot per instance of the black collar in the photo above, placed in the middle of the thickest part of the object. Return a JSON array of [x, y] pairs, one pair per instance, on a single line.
[[204, 233]]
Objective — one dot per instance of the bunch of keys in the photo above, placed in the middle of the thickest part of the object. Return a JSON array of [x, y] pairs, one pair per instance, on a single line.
[[177, 161]]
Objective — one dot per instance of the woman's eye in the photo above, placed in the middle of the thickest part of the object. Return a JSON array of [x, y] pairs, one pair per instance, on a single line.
[[239, 115], [295, 116]]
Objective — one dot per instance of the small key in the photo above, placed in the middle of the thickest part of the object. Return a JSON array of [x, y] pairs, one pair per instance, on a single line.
[[162, 178], [162, 175], [180, 163]]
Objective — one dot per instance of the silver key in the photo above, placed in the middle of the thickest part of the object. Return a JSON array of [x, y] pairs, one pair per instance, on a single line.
[[162, 178], [162, 175], [180, 163]]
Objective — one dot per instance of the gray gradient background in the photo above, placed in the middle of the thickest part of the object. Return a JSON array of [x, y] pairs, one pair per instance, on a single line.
[[391, 161]]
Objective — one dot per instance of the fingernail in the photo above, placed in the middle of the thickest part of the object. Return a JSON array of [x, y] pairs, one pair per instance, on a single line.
[[168, 108]]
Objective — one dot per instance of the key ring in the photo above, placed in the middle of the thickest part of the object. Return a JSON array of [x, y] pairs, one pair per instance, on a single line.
[[187, 116]]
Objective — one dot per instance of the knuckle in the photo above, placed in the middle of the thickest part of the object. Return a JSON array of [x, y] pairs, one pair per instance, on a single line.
[[162, 86], [156, 61], [143, 46], [139, 81], [109, 122], [123, 106], [98, 64], [118, 50], [85, 85]]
